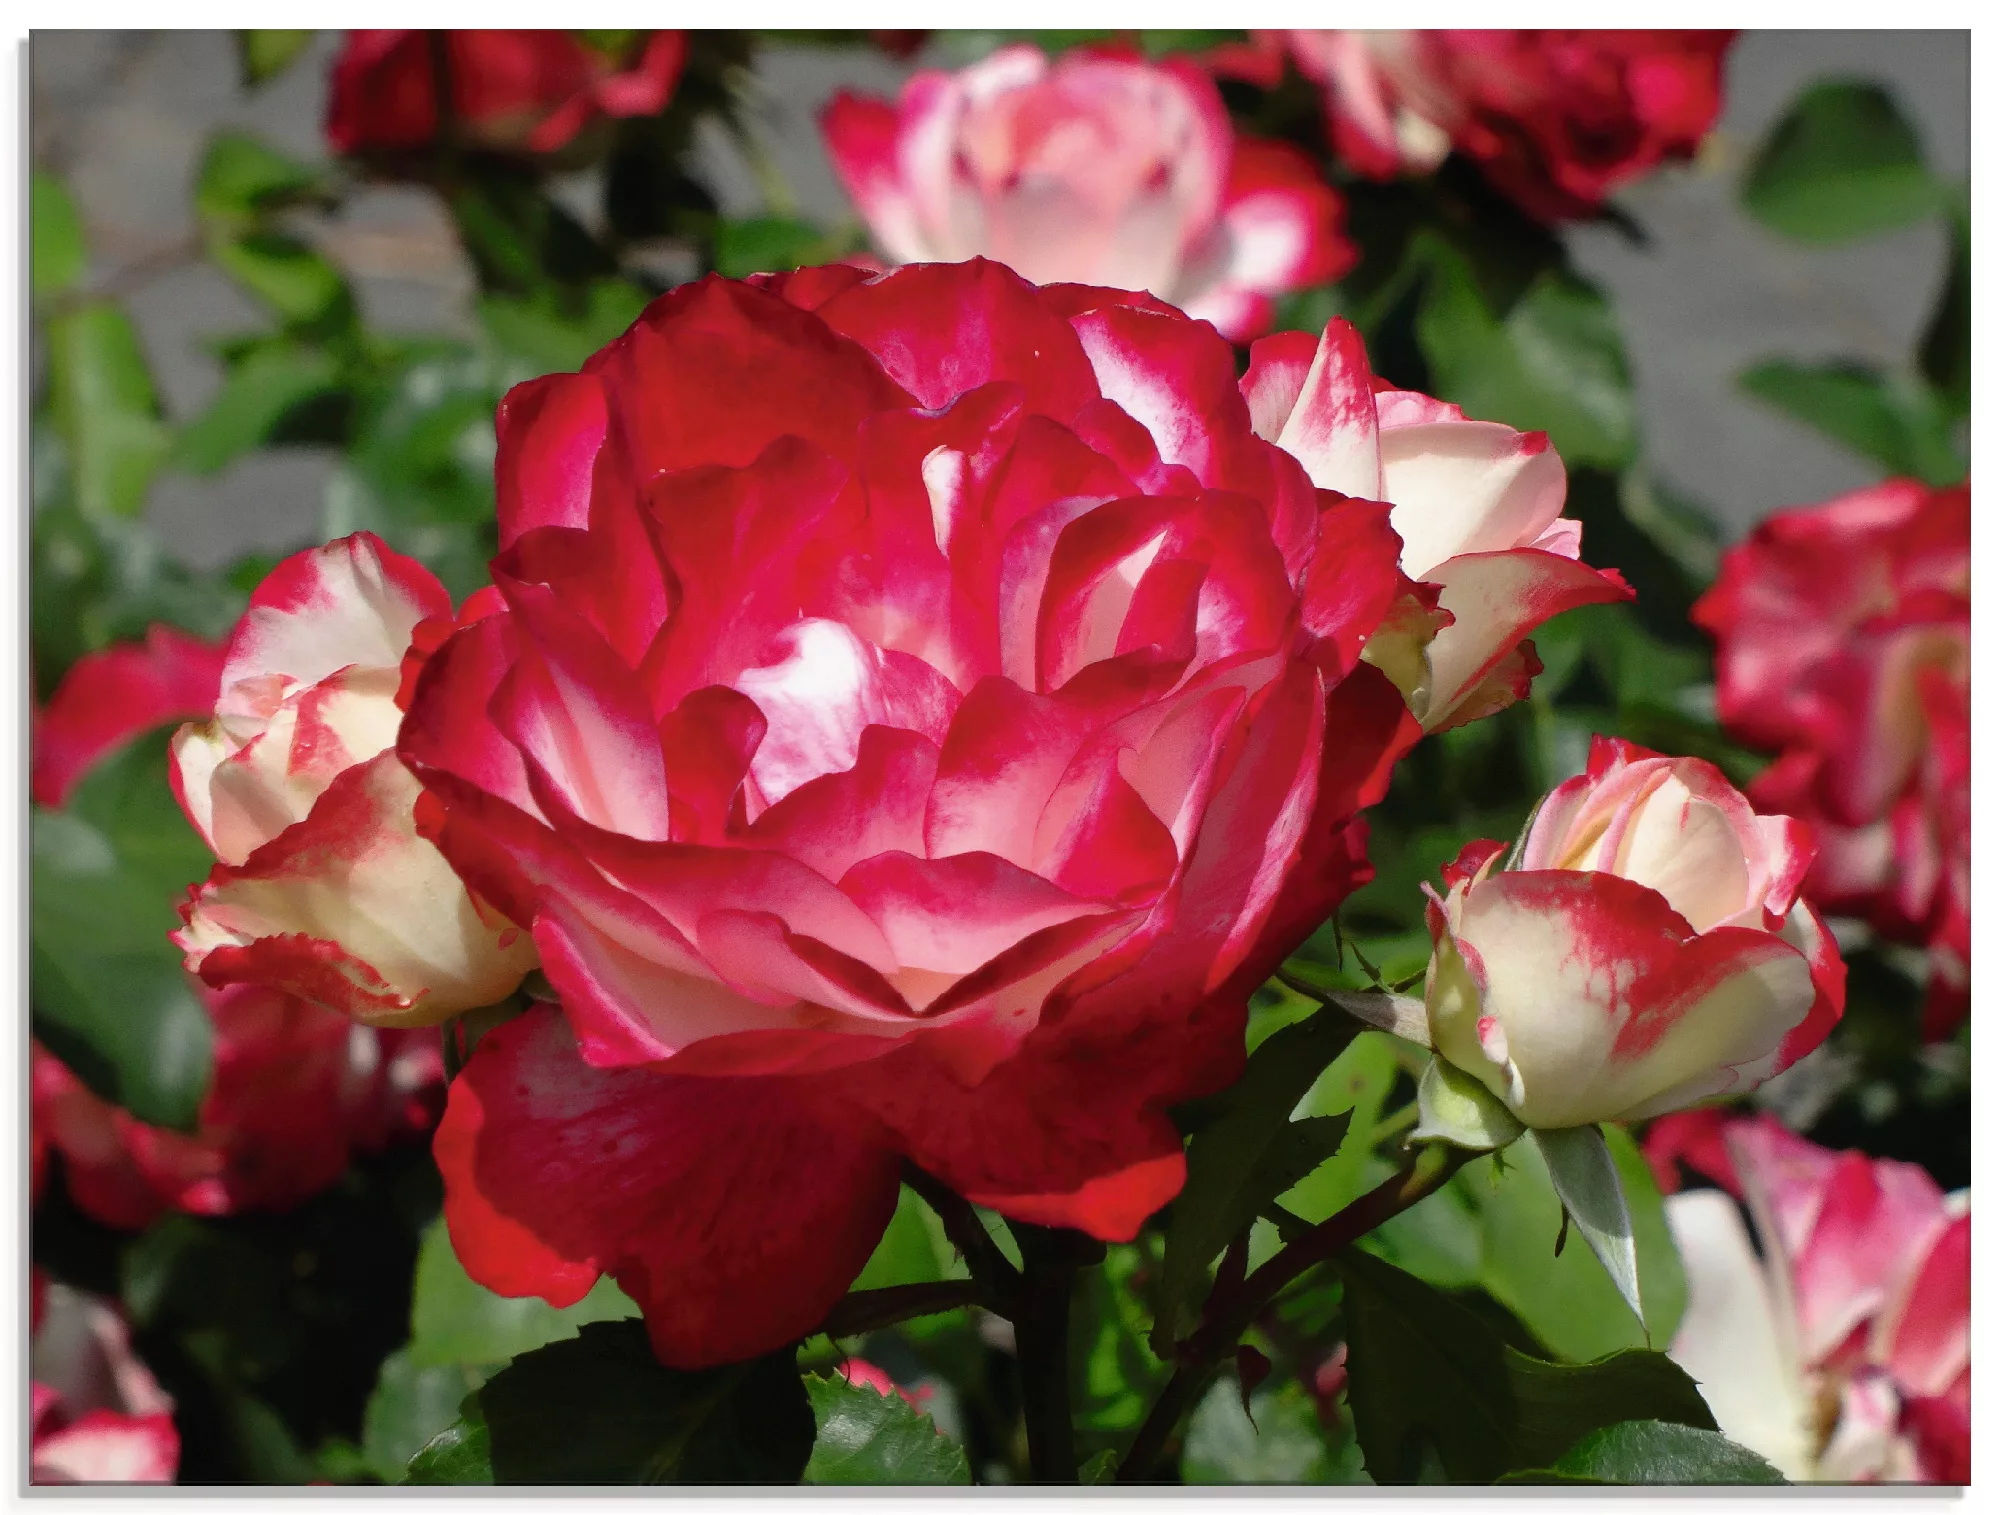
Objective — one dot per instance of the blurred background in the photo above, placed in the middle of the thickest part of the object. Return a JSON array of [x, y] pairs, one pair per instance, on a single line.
[[124, 118]]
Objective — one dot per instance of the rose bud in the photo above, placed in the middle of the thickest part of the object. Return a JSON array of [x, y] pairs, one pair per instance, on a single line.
[[325, 889], [1556, 119], [1644, 948], [1477, 504], [1097, 168], [519, 91]]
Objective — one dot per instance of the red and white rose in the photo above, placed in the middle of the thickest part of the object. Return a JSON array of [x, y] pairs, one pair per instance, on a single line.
[[1644, 947], [1096, 168], [923, 709], [325, 889], [96, 1413], [1478, 506], [1843, 1353], [1843, 639]]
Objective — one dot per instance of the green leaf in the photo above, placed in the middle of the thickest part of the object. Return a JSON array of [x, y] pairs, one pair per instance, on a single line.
[[58, 253], [1456, 1108], [266, 54], [255, 397], [460, 1454], [455, 1322], [1114, 1375], [102, 398], [110, 995], [602, 1409], [1657, 1452], [1426, 1372], [1244, 1158], [1569, 1303], [1280, 1440], [1879, 416], [869, 1438], [765, 245], [1586, 1181], [409, 1407], [1555, 363], [1841, 163], [913, 1250], [242, 179], [1359, 1081], [302, 289], [1945, 352]]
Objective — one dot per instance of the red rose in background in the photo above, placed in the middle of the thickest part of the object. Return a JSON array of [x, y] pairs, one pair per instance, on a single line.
[[510, 90], [96, 1413], [923, 710], [1556, 119], [1843, 638], [1096, 168], [109, 697], [297, 1091], [296, 1088]]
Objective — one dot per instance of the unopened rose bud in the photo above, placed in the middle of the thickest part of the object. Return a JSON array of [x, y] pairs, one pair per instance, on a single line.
[[1645, 948]]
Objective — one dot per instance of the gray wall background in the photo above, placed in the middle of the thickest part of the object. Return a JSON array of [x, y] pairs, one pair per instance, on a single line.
[[124, 116]]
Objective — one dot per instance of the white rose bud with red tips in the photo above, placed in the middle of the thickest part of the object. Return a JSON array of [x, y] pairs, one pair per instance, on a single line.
[[1645, 948], [324, 887]]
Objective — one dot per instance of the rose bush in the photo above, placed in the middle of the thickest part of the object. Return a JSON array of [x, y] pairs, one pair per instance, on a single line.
[[325, 889], [1644, 947], [1098, 168], [96, 1414], [1843, 640], [529, 91], [1477, 504], [1844, 1353], [923, 709], [1556, 119]]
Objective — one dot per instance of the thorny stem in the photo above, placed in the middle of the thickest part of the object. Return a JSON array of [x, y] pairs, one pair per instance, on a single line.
[[1231, 1308]]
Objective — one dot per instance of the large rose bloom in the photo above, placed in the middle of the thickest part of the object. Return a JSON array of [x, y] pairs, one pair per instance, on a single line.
[[1556, 119], [1844, 639], [1098, 168], [922, 711], [527, 91]]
